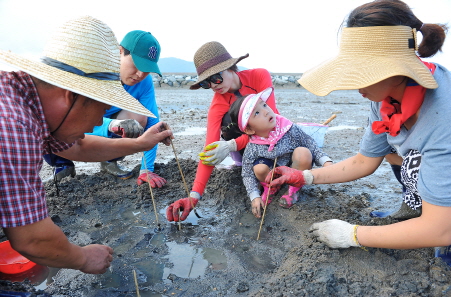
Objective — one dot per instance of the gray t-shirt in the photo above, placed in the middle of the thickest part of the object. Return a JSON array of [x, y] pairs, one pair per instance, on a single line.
[[295, 137], [430, 137]]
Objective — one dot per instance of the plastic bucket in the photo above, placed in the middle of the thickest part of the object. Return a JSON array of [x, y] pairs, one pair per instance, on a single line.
[[11, 262], [316, 131]]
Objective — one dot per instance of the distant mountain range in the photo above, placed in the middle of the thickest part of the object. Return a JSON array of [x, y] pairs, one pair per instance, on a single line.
[[175, 65]]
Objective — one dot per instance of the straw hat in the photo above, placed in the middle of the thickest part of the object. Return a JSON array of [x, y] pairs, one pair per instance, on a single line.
[[369, 55], [210, 59], [88, 51]]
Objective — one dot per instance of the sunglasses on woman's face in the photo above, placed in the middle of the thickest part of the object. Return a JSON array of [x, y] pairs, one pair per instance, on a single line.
[[215, 78]]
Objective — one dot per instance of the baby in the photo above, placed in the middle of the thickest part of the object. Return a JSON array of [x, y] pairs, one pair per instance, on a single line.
[[271, 136]]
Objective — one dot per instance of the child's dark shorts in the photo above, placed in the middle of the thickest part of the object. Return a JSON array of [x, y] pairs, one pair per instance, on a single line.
[[267, 162]]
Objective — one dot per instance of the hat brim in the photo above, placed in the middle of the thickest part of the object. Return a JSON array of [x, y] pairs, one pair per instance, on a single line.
[[248, 105], [105, 91], [361, 64], [144, 65], [216, 69]]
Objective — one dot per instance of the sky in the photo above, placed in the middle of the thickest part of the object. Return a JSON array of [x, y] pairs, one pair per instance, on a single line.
[[283, 36]]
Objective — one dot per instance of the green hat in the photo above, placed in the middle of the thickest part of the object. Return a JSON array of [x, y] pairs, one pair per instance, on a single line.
[[144, 49]]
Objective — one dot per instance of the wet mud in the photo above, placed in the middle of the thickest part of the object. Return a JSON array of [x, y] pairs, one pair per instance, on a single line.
[[219, 254]]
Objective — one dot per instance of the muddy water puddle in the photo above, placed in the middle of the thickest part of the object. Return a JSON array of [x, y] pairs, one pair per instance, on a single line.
[[155, 255], [160, 260]]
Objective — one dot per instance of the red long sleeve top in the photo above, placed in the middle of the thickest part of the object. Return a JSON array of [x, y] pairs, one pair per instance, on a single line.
[[253, 81]]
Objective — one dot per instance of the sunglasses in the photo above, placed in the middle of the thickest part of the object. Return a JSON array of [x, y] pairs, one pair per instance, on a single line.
[[215, 78]]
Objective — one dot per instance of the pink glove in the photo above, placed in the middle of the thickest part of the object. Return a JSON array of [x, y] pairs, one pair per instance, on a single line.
[[154, 179], [286, 175], [184, 205]]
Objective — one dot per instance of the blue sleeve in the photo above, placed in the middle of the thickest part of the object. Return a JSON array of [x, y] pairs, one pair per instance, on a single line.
[[103, 129], [145, 93]]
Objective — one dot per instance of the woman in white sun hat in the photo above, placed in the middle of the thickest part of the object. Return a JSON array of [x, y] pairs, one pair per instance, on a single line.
[[48, 106], [410, 111]]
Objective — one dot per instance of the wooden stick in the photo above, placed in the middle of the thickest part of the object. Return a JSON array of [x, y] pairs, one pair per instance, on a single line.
[[151, 192], [183, 178], [162, 128], [267, 198], [180, 168], [136, 283], [329, 119]]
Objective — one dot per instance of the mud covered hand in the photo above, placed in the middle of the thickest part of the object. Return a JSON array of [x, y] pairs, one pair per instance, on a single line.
[[184, 205], [154, 179], [286, 175], [98, 258], [256, 205], [335, 233], [126, 128], [217, 151]]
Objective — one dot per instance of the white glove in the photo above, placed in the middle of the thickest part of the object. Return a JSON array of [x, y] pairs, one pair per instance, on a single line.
[[336, 233], [217, 151], [126, 128]]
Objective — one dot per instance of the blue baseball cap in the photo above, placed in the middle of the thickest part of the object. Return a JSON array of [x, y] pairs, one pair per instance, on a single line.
[[144, 49]]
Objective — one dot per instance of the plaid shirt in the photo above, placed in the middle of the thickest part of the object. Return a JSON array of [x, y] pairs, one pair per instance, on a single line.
[[24, 138]]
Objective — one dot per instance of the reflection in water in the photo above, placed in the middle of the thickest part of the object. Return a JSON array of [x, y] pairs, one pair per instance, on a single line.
[[188, 261], [191, 219], [192, 262]]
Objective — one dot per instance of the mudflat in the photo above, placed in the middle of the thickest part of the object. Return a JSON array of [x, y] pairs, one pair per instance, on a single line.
[[219, 254]]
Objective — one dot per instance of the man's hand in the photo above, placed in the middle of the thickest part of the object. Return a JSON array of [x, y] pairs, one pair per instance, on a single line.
[[336, 233], [45, 243], [129, 128], [154, 135], [163, 127], [184, 205], [154, 179], [98, 258], [216, 152], [286, 175]]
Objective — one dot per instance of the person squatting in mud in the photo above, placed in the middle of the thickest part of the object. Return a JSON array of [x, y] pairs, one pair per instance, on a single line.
[[48, 107], [217, 70], [272, 137], [410, 111]]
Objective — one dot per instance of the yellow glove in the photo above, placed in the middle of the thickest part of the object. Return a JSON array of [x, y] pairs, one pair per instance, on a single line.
[[216, 152]]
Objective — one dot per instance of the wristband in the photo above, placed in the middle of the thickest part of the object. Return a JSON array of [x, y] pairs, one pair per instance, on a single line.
[[355, 236], [308, 177], [196, 195]]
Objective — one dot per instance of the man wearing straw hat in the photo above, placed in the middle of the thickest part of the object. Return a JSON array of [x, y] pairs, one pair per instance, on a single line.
[[140, 52], [47, 107]]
